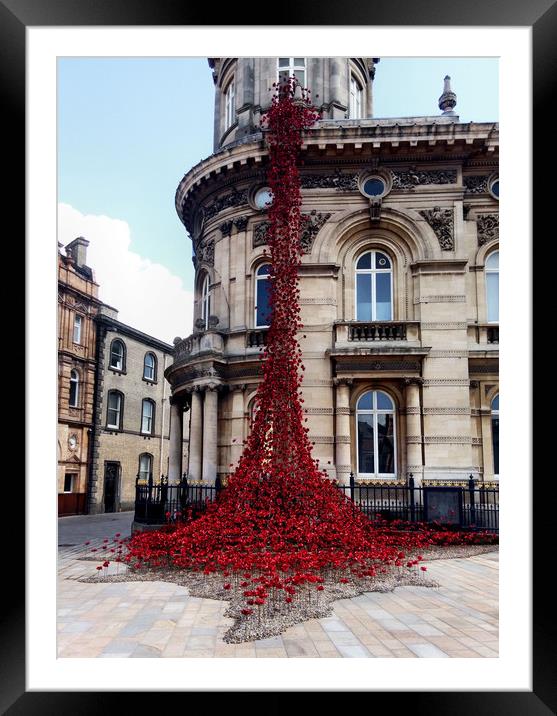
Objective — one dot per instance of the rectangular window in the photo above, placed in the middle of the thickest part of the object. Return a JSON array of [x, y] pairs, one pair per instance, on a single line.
[[383, 296], [292, 66], [147, 417], [68, 482], [366, 458], [356, 95], [229, 105], [263, 315], [77, 329], [492, 279], [495, 439], [144, 467], [386, 443], [363, 297], [114, 407]]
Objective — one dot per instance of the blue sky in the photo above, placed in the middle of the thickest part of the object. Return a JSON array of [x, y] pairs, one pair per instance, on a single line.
[[130, 128]]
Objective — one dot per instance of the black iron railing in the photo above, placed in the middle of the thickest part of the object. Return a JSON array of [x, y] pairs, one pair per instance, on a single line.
[[467, 505], [163, 502]]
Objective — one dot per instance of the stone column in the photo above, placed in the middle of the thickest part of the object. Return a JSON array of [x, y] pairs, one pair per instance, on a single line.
[[413, 427], [210, 416], [175, 446], [196, 436], [342, 429], [237, 427]]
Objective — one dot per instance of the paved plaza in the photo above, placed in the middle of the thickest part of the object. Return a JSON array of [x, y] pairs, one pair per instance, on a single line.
[[159, 619]]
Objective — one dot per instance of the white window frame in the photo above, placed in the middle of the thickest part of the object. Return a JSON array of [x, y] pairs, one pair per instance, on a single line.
[[149, 418], [488, 272], [118, 411], [356, 98], [152, 366], [229, 104], [291, 68], [75, 380], [263, 277], [373, 272], [122, 354], [205, 301], [150, 465], [375, 412], [77, 326]]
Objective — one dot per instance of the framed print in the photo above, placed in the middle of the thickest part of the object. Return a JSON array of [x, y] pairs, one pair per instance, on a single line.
[[83, 30]]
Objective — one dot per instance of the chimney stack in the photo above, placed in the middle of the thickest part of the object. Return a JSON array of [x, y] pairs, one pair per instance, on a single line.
[[77, 249]]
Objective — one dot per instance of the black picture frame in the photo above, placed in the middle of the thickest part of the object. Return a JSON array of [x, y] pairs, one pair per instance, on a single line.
[[541, 16]]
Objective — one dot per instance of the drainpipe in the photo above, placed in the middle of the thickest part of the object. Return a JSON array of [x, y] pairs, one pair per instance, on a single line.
[[162, 416]]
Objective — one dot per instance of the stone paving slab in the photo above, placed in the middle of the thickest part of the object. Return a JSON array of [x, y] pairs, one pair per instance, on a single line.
[[158, 619]]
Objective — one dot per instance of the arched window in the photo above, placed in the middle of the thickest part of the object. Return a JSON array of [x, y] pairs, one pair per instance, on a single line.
[[356, 97], [114, 410], [376, 446], [147, 416], [205, 302], [292, 67], [74, 389], [492, 287], [495, 433], [145, 466], [117, 355], [150, 367], [229, 104], [262, 296], [374, 290]]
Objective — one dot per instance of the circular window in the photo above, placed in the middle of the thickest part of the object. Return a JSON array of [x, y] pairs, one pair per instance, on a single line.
[[263, 198], [375, 186], [494, 187]]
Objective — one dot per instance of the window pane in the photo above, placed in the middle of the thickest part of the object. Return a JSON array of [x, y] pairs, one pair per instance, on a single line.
[[495, 439], [263, 299], [383, 296], [364, 262], [492, 261], [366, 461], [299, 61], [300, 75], [284, 61], [384, 402], [68, 480], [385, 442], [382, 261], [264, 270], [366, 401], [495, 403], [363, 294], [73, 393], [492, 281]]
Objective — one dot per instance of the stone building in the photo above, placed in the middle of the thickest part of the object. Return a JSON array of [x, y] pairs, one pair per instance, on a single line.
[[78, 304], [133, 421], [399, 280]]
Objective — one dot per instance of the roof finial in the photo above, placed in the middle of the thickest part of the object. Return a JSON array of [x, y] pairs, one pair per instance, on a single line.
[[447, 101]]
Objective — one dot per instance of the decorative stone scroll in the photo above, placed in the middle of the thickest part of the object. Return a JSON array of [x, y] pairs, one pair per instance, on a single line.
[[475, 184], [410, 178], [442, 223], [488, 228], [338, 181], [226, 228], [205, 253], [260, 233], [236, 198], [241, 223], [311, 224]]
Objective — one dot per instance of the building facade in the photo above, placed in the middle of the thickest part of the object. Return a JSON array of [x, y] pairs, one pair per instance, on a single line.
[[78, 304], [399, 281], [133, 421]]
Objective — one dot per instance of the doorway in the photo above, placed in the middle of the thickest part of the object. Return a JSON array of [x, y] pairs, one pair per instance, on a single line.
[[111, 484]]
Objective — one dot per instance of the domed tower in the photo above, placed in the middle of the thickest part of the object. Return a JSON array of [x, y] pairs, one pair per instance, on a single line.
[[340, 87], [397, 280]]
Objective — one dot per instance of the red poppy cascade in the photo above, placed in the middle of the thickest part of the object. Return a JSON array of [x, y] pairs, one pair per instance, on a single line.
[[280, 523]]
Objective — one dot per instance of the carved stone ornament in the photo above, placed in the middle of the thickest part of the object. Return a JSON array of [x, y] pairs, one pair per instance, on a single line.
[[442, 223], [241, 223], [236, 198], [226, 228], [310, 223], [338, 180], [476, 184], [488, 228], [205, 252], [412, 177]]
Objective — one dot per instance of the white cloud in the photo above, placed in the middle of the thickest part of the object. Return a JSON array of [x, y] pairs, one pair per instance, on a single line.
[[146, 294]]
